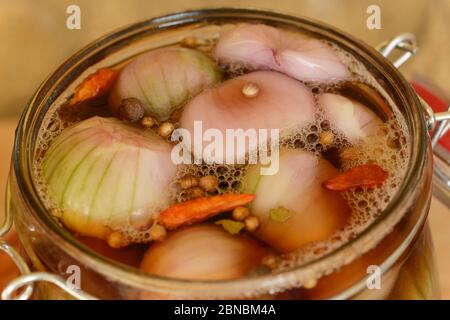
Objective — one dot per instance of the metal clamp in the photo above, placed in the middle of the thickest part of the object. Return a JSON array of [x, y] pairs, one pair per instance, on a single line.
[[437, 122], [407, 44], [28, 278], [10, 251]]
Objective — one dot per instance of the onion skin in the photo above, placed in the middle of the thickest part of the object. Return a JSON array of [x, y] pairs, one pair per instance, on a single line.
[[103, 175], [289, 104], [261, 47], [203, 252], [297, 187], [350, 117], [164, 79]]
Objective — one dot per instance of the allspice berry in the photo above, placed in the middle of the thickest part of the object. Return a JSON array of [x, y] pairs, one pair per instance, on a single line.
[[251, 223], [240, 213], [157, 232], [132, 110], [188, 181], [165, 129], [208, 183]]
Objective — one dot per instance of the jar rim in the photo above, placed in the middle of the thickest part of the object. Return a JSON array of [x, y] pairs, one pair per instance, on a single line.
[[47, 93]]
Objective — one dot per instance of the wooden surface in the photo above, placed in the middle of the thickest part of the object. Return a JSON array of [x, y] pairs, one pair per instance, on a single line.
[[439, 216]]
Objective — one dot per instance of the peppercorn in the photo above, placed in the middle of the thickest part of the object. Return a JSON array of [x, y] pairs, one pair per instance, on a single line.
[[166, 129], [208, 183], [251, 223], [157, 232], [240, 213], [116, 240], [131, 109]]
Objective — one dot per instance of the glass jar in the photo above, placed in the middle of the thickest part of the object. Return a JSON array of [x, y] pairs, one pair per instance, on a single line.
[[397, 245]]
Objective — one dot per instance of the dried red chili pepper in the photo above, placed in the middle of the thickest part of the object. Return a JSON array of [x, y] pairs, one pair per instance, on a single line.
[[94, 85], [200, 209], [367, 175]]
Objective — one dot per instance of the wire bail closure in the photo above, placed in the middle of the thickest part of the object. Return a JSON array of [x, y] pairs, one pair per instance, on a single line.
[[407, 44], [27, 278], [10, 251], [437, 122]]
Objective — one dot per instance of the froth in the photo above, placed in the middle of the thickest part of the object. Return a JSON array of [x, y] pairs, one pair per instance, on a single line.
[[52, 127]]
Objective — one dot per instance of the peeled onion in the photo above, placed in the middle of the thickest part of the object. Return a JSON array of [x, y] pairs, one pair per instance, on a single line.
[[164, 79], [350, 117], [103, 175], [263, 47], [280, 102], [316, 213], [202, 252]]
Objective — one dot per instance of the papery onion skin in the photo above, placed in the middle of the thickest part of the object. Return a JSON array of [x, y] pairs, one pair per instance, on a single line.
[[297, 187], [351, 118], [289, 104], [103, 175], [164, 79], [203, 252], [260, 47]]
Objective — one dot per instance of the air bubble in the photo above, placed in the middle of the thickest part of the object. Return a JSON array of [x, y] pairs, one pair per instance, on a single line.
[[299, 144], [325, 125], [312, 138]]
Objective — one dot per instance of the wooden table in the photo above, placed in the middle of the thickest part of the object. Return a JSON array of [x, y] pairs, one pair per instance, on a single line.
[[439, 216]]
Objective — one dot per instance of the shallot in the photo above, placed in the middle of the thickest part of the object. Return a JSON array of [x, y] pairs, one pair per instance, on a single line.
[[164, 79], [103, 174], [350, 117], [261, 47], [291, 205], [225, 108], [203, 252]]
